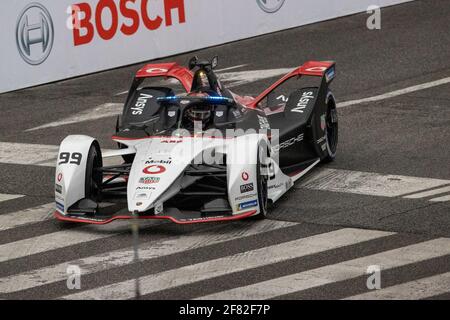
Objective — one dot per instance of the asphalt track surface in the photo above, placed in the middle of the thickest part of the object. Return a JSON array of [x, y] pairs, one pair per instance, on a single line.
[[319, 239]]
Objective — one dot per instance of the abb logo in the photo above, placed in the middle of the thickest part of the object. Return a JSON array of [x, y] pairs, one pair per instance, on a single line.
[[87, 20]]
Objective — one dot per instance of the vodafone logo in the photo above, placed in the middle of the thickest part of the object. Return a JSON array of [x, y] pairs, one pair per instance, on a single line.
[[157, 70], [155, 169], [245, 176], [317, 69], [109, 18]]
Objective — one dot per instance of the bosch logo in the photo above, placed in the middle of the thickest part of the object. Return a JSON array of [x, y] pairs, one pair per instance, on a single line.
[[154, 169], [34, 34], [270, 6], [109, 17]]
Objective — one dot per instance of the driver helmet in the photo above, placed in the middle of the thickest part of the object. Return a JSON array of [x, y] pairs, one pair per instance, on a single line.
[[202, 81], [199, 112]]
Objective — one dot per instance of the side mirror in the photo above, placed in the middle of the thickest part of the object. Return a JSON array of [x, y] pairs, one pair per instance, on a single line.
[[193, 62], [214, 62]]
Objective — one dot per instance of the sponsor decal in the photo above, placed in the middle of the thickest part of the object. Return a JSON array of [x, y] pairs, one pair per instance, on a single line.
[[219, 114], [149, 180], [287, 143], [156, 70], [141, 196], [159, 208], [58, 188], [59, 206], [276, 186], [34, 34], [57, 197], [303, 102], [171, 114], [138, 204], [247, 188], [141, 102], [270, 6], [323, 122], [321, 140], [60, 176], [185, 102], [104, 19], [145, 188], [153, 161], [248, 196], [248, 204], [263, 122], [245, 176], [330, 74], [171, 141], [154, 169]]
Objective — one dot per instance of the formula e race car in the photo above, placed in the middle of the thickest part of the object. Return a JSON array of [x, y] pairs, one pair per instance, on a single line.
[[190, 150]]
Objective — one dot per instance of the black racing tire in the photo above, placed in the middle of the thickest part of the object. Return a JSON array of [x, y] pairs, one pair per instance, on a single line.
[[262, 183], [94, 178], [332, 129]]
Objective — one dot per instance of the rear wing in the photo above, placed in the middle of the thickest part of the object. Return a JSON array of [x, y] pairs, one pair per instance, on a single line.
[[324, 69]]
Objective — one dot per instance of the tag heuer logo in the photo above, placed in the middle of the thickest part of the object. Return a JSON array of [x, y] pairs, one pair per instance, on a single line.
[[270, 6], [34, 34]]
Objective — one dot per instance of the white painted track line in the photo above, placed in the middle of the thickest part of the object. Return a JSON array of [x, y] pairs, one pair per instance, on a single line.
[[62, 239], [27, 216], [368, 183], [102, 111], [429, 193], [441, 199], [337, 272], [235, 263], [413, 290], [151, 250], [395, 93], [6, 197], [32, 154], [28, 154]]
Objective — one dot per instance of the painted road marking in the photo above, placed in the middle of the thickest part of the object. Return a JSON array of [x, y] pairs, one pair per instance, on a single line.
[[148, 250], [235, 263], [62, 239], [395, 93], [6, 197], [429, 193], [368, 183], [413, 290], [441, 199], [30, 154], [27, 216], [337, 272], [102, 111]]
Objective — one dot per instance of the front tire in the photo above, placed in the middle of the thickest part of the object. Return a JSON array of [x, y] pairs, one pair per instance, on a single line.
[[262, 182], [94, 178]]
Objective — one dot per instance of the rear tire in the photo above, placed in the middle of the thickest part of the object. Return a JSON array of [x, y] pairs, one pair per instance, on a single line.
[[332, 129], [94, 178]]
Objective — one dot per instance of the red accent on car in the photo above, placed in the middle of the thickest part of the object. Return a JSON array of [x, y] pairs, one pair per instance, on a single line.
[[244, 215], [245, 176], [171, 70], [310, 68]]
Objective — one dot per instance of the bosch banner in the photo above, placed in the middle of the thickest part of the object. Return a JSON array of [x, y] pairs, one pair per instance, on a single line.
[[49, 40]]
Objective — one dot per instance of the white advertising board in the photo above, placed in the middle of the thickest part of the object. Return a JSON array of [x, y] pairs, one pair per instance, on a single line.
[[49, 40]]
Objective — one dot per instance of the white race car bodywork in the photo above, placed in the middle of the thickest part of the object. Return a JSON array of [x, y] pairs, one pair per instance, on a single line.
[[156, 174]]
